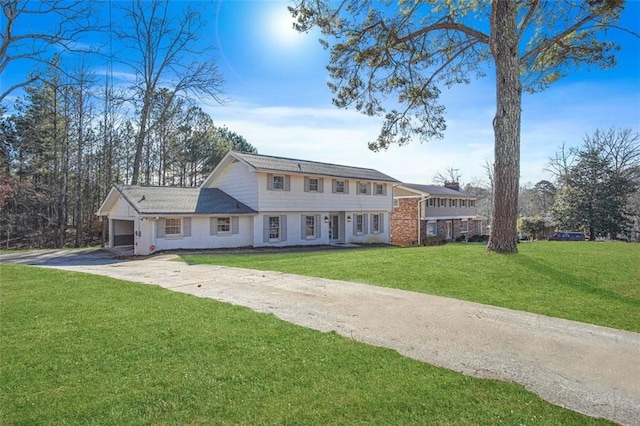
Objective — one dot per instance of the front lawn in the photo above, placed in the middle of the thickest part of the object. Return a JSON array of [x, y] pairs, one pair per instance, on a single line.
[[592, 282], [78, 349]]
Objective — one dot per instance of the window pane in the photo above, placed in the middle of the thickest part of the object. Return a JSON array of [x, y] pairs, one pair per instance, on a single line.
[[224, 224], [274, 227], [313, 184], [278, 182], [172, 226], [379, 189], [340, 186], [310, 226], [376, 223], [359, 223]]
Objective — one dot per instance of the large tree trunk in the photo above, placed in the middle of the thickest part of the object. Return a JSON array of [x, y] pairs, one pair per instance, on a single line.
[[506, 125], [141, 137]]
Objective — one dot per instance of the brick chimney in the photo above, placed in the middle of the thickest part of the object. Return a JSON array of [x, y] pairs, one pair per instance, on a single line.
[[452, 185]]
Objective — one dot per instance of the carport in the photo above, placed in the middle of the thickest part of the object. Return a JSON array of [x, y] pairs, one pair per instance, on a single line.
[[122, 232]]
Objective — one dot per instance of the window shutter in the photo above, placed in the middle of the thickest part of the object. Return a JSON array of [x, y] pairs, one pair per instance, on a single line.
[[186, 226], [287, 183], [365, 227], [235, 226], [265, 229], [384, 189], [160, 228], [346, 186], [369, 188], [213, 226], [306, 184], [283, 228], [303, 227], [269, 181], [382, 221], [334, 184], [358, 187], [318, 226], [355, 224], [321, 185]]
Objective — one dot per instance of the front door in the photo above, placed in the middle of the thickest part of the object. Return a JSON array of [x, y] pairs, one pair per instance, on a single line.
[[334, 228]]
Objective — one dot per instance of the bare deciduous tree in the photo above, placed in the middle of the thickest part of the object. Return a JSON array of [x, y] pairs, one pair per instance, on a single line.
[[59, 24], [166, 52]]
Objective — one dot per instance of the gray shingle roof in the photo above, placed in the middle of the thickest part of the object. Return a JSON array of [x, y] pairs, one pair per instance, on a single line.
[[438, 190], [172, 200], [289, 165]]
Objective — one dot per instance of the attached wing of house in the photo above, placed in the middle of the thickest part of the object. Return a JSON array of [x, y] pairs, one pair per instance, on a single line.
[[432, 211], [255, 200]]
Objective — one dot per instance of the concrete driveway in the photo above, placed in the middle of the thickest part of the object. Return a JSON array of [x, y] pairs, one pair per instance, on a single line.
[[590, 369]]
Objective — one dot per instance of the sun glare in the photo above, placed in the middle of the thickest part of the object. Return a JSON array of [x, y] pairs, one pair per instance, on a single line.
[[280, 27]]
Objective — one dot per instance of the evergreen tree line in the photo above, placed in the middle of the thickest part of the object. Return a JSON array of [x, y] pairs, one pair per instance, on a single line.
[[69, 139], [596, 189]]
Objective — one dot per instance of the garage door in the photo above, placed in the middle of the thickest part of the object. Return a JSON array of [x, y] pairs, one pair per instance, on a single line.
[[122, 233]]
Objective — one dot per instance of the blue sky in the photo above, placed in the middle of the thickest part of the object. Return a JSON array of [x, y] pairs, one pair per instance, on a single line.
[[276, 79], [277, 98]]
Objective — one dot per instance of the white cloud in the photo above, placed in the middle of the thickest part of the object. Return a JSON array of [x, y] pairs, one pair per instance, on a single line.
[[333, 135]]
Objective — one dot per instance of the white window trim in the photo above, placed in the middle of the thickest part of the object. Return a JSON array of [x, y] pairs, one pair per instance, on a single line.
[[396, 203], [464, 223], [429, 223], [278, 238], [229, 224], [177, 235], [373, 221], [273, 183], [362, 224]]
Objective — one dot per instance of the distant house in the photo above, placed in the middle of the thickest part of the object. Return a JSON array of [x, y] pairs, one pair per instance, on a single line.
[[432, 211], [252, 200]]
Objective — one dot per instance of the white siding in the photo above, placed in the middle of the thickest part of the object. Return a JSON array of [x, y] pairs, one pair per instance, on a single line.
[[297, 200], [122, 210], [296, 238], [201, 237], [240, 182]]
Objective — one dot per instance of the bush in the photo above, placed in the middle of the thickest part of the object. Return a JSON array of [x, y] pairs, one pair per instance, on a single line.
[[434, 241]]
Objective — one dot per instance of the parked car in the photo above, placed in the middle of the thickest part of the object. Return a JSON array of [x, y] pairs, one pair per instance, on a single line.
[[567, 236]]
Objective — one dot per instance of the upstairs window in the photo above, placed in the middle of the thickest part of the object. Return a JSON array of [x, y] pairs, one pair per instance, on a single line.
[[278, 183], [431, 202], [313, 184], [340, 186], [463, 203], [379, 189], [363, 188], [443, 202], [472, 203], [454, 203]]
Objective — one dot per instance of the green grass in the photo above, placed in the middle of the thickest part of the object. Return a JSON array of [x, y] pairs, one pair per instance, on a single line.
[[597, 283], [81, 349]]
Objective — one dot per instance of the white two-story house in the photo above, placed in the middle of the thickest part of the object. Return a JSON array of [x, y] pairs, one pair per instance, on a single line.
[[252, 200], [421, 212]]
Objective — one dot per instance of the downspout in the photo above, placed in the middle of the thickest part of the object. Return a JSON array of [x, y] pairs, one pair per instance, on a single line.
[[420, 201]]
